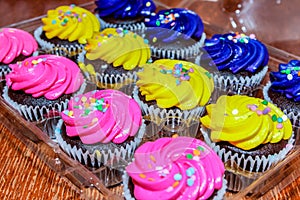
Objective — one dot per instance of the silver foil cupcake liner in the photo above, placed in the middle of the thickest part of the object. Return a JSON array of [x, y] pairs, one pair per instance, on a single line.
[[4, 69], [38, 113], [237, 176], [112, 160], [192, 51], [156, 114], [239, 85], [129, 26], [127, 193], [57, 49]]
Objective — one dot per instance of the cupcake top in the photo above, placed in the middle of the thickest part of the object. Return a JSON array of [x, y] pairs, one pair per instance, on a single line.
[[175, 83], [102, 116], [175, 168], [50, 76], [236, 53], [15, 42], [168, 25], [118, 47], [124, 9], [246, 122], [286, 80], [70, 23]]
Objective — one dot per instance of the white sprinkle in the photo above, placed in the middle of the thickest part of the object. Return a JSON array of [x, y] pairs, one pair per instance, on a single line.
[[290, 77], [284, 118], [235, 111]]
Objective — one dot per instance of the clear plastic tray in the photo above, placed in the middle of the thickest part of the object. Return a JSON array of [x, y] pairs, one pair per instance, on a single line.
[[219, 17]]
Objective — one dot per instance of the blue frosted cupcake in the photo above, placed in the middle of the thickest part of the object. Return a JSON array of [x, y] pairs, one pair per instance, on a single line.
[[238, 62], [176, 33], [124, 14]]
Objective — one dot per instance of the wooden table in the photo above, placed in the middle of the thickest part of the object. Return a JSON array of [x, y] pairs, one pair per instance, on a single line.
[[22, 174]]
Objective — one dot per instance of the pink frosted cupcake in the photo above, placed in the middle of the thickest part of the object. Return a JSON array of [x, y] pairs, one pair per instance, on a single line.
[[175, 168], [16, 45], [41, 85], [101, 128]]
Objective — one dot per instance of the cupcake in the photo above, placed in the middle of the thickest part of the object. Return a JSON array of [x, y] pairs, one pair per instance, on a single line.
[[16, 45], [41, 85], [283, 91], [238, 62], [175, 33], [65, 30], [249, 134], [113, 57], [129, 15], [175, 168], [175, 88], [101, 128]]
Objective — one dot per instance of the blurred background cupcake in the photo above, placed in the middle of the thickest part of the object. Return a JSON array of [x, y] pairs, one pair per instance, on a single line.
[[175, 33], [175, 168], [283, 90], [16, 45], [112, 58], [65, 30], [238, 62], [249, 134], [173, 88], [36, 95], [101, 128], [129, 15]]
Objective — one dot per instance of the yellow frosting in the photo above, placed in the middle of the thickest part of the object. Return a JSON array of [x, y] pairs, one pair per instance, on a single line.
[[119, 47], [159, 81], [70, 23], [246, 122]]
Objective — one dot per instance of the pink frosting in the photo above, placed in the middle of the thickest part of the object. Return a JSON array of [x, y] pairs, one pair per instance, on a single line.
[[50, 76], [14, 42], [175, 168], [102, 116]]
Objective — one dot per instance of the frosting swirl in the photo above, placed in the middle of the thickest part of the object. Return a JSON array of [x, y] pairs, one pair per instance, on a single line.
[[175, 168], [102, 116], [124, 8], [236, 53], [118, 47], [167, 25], [286, 80], [175, 83], [70, 23], [50, 76], [246, 122], [15, 42]]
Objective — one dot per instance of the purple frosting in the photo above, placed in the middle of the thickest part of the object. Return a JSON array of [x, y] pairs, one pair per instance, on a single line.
[[120, 9], [287, 80], [167, 25], [236, 53]]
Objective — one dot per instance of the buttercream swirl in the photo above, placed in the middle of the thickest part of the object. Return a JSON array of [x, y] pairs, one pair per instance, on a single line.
[[15, 42], [175, 83], [50, 76], [236, 53], [286, 80], [175, 168], [246, 122], [122, 9], [167, 25], [118, 47], [102, 116], [70, 23]]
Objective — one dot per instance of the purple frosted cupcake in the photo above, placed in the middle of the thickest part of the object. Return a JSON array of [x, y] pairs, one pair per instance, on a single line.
[[124, 14]]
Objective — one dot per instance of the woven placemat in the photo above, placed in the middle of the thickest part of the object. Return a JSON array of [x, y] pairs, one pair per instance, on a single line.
[[25, 176]]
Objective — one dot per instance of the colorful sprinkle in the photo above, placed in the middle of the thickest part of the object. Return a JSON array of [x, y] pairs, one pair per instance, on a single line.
[[190, 171], [152, 158], [274, 118], [189, 156], [190, 182], [264, 102], [235, 111], [175, 184], [148, 4], [289, 77], [196, 152], [177, 177], [279, 126], [142, 175]]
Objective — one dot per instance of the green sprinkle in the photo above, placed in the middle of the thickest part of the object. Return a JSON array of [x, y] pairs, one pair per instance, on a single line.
[[288, 71], [99, 107], [200, 148], [274, 118], [76, 107], [264, 102], [157, 23], [85, 126], [87, 111], [208, 74], [189, 156]]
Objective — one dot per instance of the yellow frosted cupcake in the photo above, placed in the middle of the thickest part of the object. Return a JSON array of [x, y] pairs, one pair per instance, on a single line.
[[65, 30], [173, 88], [112, 58], [248, 133]]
